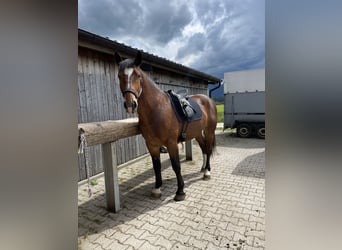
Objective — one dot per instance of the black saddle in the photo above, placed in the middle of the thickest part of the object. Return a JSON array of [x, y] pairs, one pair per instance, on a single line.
[[185, 108]]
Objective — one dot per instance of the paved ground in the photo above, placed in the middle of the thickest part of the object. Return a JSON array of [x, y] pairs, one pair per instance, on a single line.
[[226, 212]]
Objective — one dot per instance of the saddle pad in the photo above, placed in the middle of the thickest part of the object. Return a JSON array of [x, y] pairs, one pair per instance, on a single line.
[[178, 109]]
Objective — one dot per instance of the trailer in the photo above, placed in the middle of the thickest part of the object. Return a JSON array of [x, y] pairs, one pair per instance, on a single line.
[[244, 102]]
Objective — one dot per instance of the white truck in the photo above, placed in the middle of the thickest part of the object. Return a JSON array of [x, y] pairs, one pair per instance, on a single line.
[[244, 102]]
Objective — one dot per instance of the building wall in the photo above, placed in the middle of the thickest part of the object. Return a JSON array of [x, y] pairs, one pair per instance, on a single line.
[[100, 99]]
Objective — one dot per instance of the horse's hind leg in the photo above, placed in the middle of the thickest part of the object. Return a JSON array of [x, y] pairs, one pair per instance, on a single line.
[[208, 149], [207, 143], [201, 143], [174, 157]]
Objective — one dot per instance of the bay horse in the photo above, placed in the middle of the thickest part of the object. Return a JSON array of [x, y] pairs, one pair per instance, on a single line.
[[158, 122]]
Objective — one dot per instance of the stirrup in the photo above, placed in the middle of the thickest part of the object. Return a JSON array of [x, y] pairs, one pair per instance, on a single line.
[[182, 93]]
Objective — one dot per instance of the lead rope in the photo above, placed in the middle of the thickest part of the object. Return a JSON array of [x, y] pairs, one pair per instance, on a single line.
[[83, 149]]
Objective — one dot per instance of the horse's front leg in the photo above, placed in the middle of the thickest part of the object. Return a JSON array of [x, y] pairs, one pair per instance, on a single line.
[[156, 192], [174, 157], [155, 155]]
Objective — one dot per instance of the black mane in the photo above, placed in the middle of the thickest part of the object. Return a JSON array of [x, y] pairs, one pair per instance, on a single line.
[[127, 63]]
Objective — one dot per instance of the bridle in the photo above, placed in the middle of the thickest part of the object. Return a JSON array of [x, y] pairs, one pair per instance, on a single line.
[[129, 89]]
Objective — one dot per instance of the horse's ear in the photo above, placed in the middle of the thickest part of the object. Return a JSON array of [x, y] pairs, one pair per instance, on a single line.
[[138, 59], [118, 58]]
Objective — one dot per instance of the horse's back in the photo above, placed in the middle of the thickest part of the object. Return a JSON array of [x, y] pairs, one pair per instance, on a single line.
[[208, 107], [205, 101]]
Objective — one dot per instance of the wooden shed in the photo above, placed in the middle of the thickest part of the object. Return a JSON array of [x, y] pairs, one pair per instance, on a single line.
[[100, 99]]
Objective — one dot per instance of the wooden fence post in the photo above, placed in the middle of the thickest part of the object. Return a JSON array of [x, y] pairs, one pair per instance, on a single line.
[[188, 150], [106, 133], [111, 176]]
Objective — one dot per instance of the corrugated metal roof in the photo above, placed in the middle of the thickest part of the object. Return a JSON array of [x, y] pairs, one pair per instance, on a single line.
[[96, 42]]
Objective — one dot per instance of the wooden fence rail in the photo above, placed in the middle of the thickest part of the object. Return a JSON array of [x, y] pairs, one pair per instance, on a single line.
[[109, 131], [106, 133]]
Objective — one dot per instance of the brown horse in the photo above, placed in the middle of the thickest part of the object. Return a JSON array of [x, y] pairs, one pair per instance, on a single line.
[[159, 124]]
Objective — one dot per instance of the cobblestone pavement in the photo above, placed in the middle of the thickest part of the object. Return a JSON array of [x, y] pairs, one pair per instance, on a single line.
[[226, 212]]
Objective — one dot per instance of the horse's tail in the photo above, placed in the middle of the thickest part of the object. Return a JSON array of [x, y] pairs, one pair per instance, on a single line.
[[212, 123], [214, 143], [210, 142], [215, 115], [213, 146]]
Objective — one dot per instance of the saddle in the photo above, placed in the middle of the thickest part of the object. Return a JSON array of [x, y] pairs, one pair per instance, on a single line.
[[185, 108], [182, 99]]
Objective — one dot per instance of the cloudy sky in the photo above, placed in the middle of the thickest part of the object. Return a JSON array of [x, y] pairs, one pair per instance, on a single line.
[[212, 36]]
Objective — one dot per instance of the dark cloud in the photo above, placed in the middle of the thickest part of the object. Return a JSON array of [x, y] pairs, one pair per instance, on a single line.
[[160, 21], [164, 21], [109, 17], [231, 34], [234, 41], [208, 11], [195, 44]]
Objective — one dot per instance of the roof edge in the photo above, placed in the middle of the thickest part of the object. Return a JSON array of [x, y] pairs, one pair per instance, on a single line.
[[99, 43]]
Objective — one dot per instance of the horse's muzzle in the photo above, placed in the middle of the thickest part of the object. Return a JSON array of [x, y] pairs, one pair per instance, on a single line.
[[131, 106]]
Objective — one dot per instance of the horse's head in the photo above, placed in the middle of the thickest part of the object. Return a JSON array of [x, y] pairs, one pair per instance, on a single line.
[[130, 81]]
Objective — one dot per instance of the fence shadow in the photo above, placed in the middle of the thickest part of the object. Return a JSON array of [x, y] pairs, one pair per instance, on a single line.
[[230, 140], [252, 166], [93, 216]]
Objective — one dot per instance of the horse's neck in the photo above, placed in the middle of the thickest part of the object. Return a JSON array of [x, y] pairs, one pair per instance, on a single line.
[[149, 86], [151, 95]]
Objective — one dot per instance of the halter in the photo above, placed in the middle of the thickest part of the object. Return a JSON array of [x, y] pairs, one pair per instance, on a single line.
[[129, 89]]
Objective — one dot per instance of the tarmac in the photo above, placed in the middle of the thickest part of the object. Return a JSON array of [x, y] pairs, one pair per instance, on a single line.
[[225, 212]]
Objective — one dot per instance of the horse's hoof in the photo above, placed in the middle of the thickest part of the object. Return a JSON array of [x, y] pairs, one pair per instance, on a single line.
[[163, 150], [179, 197], [155, 196], [206, 177]]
